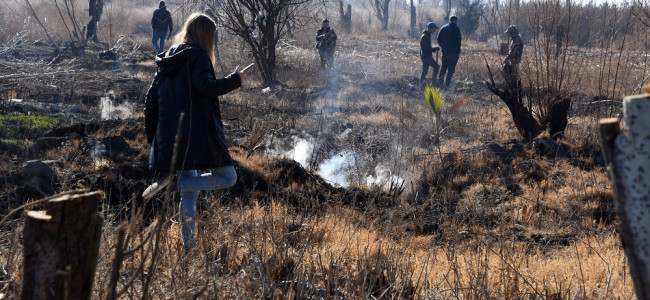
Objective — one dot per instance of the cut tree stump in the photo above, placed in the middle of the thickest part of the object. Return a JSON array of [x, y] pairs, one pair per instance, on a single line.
[[60, 247], [627, 154]]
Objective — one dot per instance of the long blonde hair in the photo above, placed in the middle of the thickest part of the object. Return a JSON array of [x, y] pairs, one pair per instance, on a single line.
[[198, 30]]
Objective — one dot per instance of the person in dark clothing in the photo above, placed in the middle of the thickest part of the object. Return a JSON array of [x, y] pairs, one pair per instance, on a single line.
[[426, 53], [162, 25], [185, 82], [449, 39], [512, 61], [326, 44]]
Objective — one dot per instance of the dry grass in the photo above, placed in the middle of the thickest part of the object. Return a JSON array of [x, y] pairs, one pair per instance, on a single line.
[[460, 230]]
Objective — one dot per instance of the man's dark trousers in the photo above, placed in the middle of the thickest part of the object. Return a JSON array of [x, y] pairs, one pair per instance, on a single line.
[[448, 65], [426, 63]]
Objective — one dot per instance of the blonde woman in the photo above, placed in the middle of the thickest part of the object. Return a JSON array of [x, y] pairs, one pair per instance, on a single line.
[[185, 82]]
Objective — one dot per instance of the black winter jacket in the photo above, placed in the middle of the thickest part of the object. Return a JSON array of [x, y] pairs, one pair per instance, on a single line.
[[426, 50], [326, 39], [185, 82], [162, 20]]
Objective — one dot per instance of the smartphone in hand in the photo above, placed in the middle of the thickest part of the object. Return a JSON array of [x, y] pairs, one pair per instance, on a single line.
[[247, 67]]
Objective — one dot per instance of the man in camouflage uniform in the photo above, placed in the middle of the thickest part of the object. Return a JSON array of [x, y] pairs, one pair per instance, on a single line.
[[512, 61], [326, 44]]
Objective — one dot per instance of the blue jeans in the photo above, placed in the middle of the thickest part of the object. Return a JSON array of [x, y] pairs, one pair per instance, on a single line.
[[158, 40], [190, 183]]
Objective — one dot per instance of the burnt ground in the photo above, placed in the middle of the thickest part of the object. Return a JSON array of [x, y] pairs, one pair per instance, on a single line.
[[111, 155]]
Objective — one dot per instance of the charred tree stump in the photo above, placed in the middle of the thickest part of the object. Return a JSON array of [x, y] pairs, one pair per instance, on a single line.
[[522, 116], [61, 244], [559, 117], [627, 154]]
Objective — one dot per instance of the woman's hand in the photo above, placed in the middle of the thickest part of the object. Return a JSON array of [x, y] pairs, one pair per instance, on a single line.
[[244, 72]]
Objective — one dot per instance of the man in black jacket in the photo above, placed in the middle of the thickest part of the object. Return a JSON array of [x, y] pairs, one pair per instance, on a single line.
[[326, 44], [160, 23], [426, 53], [449, 40]]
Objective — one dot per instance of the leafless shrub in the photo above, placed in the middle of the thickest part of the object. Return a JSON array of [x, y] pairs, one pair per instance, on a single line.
[[248, 19]]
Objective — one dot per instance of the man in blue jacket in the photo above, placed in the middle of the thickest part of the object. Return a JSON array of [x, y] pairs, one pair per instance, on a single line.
[[449, 40], [426, 53], [160, 22]]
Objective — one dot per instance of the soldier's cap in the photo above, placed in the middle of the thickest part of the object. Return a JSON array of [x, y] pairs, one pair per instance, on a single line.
[[161, 4], [326, 21], [433, 25], [512, 29]]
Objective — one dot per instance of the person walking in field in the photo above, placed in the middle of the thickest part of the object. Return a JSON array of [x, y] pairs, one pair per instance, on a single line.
[[185, 82], [512, 61], [449, 39], [161, 25], [426, 53], [326, 44]]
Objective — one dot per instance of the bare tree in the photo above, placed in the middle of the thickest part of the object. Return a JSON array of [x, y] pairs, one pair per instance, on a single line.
[[381, 11], [447, 9], [261, 24], [471, 12], [78, 34]]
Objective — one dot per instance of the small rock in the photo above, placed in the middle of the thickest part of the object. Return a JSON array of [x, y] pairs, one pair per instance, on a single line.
[[112, 147], [28, 108], [55, 109], [75, 109], [41, 176], [550, 149]]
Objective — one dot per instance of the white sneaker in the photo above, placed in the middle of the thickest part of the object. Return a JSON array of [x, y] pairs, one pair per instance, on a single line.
[[156, 187]]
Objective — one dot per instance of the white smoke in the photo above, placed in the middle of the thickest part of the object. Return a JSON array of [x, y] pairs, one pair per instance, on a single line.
[[111, 111], [384, 178], [301, 151], [336, 168]]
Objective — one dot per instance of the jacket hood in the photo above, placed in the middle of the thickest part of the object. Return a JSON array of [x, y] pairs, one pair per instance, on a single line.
[[169, 62]]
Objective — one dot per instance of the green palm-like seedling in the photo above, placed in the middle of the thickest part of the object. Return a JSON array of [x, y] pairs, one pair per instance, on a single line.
[[434, 98], [436, 101]]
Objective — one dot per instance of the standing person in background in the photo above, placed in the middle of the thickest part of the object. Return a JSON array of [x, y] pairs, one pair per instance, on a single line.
[[326, 44], [161, 25], [449, 39], [512, 61], [185, 82], [426, 53]]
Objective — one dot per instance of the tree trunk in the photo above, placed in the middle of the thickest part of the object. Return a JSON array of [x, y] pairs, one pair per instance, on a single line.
[[95, 9], [61, 245], [269, 42], [628, 158], [413, 21], [447, 10], [346, 17], [384, 20]]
